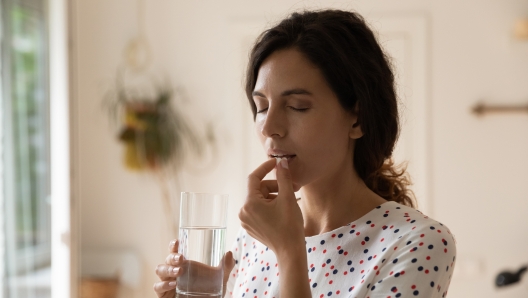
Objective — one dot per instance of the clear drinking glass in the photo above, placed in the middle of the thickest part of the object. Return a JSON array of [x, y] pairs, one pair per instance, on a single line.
[[203, 218]]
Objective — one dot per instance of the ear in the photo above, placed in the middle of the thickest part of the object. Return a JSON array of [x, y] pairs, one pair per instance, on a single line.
[[355, 128]]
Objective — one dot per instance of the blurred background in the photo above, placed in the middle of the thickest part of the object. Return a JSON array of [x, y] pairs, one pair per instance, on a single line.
[[110, 108]]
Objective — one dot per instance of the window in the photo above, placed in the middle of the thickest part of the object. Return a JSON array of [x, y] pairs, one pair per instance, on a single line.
[[25, 163]]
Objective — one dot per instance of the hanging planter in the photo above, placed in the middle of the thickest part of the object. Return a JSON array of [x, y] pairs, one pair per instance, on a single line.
[[155, 135]]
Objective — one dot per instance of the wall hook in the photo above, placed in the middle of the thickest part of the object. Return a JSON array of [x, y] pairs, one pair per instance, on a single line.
[[481, 108]]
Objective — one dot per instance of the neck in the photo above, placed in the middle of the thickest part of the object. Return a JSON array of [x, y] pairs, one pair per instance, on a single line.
[[336, 201]]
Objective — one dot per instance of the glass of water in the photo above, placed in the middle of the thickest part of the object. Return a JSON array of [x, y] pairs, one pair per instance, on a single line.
[[203, 218]]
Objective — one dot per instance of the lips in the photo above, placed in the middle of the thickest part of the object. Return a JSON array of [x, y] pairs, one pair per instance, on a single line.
[[277, 153], [288, 157], [281, 155]]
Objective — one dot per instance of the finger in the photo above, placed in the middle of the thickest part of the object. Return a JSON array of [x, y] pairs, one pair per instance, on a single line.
[[166, 272], [284, 179], [164, 286], [259, 173], [229, 263], [173, 245], [268, 186], [174, 259]]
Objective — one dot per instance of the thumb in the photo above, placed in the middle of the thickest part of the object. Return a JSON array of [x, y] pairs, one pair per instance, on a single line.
[[284, 179], [229, 263]]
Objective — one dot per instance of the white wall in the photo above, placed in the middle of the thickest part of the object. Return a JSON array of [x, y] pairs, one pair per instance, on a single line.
[[477, 166]]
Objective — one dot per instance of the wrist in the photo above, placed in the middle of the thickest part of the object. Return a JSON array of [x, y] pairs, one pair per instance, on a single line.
[[293, 257], [291, 250], [293, 270]]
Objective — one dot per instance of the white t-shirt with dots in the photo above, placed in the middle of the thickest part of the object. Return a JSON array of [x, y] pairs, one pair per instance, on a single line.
[[392, 251]]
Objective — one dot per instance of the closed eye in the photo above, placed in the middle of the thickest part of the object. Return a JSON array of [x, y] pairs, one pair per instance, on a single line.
[[293, 108], [298, 110]]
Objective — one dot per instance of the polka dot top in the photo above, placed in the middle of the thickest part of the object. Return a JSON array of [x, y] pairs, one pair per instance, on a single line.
[[392, 251]]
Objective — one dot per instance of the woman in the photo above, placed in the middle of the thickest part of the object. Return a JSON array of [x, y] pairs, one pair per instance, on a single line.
[[324, 103]]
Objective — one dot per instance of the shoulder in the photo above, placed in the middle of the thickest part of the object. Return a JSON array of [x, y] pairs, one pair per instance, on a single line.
[[421, 252], [425, 244], [423, 231], [417, 230]]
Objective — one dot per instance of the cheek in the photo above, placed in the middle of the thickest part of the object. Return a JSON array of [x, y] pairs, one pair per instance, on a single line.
[[325, 145], [324, 135]]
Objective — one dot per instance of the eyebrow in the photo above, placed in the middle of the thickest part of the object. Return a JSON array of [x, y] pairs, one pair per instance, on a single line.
[[295, 91]]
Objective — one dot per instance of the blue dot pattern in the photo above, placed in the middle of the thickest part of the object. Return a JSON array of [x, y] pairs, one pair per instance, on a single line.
[[392, 251]]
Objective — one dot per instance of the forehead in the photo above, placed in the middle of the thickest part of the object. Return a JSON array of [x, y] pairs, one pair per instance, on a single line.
[[286, 69]]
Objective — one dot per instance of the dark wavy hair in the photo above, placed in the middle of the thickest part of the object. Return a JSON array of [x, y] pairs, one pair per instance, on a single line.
[[343, 47]]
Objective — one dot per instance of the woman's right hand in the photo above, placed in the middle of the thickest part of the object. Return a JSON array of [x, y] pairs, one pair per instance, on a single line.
[[175, 266]]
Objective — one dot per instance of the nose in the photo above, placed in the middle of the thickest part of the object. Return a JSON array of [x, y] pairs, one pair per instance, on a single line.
[[273, 124]]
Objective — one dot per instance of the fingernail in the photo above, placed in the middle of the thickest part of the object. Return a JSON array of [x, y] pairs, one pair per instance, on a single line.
[[172, 284], [175, 271], [284, 163], [173, 242], [177, 258], [277, 159]]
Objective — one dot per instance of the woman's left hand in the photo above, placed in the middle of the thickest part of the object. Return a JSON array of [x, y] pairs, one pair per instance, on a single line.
[[273, 219]]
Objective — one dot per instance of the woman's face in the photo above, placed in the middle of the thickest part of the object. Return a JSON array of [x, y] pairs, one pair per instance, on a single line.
[[298, 115]]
